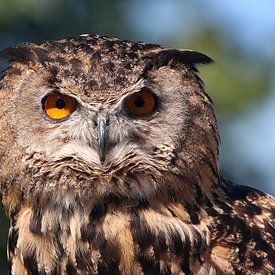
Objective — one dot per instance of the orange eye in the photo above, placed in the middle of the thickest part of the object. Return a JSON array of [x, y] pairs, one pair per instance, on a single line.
[[141, 104], [59, 106]]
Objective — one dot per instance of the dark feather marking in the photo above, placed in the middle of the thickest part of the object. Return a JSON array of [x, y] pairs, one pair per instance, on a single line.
[[201, 198], [236, 224], [88, 232], [57, 46], [227, 224], [56, 271], [143, 203], [262, 244], [59, 247], [110, 268], [70, 268], [211, 212], [35, 222], [42, 55], [109, 66], [84, 261], [53, 79], [12, 240], [160, 246], [149, 266], [181, 248], [272, 214], [173, 58], [20, 53], [76, 66], [137, 46], [222, 205], [240, 192], [108, 44], [193, 211], [11, 71], [240, 272], [90, 85], [257, 261], [143, 236], [31, 265], [109, 262], [164, 58], [213, 168], [98, 212], [249, 209], [269, 228], [86, 48], [61, 60]]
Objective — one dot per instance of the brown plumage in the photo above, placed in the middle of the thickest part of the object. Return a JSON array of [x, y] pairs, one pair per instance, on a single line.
[[113, 187]]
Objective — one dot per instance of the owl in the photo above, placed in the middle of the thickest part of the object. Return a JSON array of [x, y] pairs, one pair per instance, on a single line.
[[109, 165]]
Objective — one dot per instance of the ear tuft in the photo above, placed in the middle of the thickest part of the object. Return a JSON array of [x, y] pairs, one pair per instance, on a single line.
[[174, 57], [21, 53]]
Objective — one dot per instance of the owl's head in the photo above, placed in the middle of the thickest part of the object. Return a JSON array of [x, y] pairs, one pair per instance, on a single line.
[[104, 116]]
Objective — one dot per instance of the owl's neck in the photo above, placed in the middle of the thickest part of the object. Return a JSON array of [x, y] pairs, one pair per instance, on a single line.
[[56, 209]]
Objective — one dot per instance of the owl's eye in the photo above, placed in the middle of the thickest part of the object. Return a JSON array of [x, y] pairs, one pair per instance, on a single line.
[[59, 106], [141, 104]]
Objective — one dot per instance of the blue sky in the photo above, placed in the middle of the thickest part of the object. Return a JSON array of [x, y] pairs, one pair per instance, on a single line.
[[245, 20]]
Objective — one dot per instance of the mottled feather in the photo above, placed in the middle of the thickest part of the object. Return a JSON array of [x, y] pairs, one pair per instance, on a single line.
[[157, 204]]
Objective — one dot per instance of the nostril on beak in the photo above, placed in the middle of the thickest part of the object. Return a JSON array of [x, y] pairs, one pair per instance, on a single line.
[[102, 137]]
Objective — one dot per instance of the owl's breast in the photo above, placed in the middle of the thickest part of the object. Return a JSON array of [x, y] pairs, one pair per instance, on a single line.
[[104, 238]]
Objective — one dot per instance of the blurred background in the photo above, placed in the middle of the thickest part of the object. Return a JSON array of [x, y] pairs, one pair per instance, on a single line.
[[238, 35]]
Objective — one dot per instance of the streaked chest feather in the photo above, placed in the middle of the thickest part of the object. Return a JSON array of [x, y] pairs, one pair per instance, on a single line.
[[105, 239]]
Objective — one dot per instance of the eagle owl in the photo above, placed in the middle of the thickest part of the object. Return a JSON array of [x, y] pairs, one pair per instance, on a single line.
[[109, 165]]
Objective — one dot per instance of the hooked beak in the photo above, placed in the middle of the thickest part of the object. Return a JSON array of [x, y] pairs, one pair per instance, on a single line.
[[102, 137]]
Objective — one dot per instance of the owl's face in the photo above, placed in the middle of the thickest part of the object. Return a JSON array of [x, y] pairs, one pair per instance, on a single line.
[[98, 113], [61, 123]]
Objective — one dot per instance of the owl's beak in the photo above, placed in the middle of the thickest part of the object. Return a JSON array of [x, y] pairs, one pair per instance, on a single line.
[[102, 137]]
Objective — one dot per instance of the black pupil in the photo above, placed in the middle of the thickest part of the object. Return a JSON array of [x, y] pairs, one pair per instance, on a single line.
[[60, 103], [139, 101]]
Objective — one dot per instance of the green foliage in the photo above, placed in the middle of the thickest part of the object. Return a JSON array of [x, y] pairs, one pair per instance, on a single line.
[[235, 80], [51, 19]]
